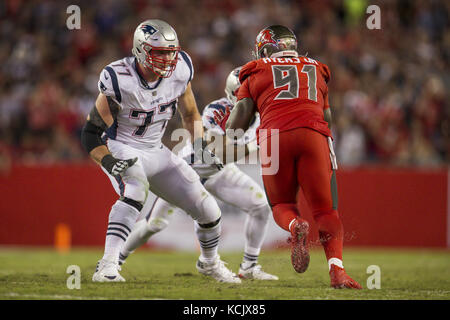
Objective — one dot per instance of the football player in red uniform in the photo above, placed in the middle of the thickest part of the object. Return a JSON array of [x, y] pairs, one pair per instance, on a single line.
[[291, 95]]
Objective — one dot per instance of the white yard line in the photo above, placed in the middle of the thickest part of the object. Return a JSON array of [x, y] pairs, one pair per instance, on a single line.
[[65, 297]]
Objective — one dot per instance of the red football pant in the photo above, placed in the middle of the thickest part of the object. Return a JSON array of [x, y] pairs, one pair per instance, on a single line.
[[304, 160]]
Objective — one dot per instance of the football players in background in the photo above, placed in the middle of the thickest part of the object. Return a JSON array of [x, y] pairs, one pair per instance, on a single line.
[[228, 184], [138, 96], [291, 95]]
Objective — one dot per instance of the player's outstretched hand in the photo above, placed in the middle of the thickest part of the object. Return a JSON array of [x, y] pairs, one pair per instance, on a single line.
[[220, 117], [116, 166]]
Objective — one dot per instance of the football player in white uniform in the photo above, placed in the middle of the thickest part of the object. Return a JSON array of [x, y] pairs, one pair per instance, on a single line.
[[138, 96], [228, 184]]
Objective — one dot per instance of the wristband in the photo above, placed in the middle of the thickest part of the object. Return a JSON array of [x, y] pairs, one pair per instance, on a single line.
[[108, 162]]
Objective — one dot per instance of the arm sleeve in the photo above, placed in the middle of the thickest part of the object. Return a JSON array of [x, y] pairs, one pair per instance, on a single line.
[[91, 136]]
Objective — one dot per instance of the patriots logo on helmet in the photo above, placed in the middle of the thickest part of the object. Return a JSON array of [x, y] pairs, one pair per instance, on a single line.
[[148, 29], [265, 37]]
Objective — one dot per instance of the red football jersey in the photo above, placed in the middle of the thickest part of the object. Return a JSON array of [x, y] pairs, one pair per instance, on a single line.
[[288, 92]]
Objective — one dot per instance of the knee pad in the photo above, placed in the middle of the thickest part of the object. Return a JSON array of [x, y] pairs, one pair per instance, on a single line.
[[136, 190], [208, 210], [157, 224], [261, 211]]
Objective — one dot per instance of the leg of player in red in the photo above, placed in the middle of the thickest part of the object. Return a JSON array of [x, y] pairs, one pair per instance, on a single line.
[[281, 189], [304, 159], [315, 174]]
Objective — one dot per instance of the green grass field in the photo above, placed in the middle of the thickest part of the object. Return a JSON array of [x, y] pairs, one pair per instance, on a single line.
[[41, 274]]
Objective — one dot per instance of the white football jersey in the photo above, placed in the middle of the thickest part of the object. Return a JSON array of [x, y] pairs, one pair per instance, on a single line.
[[220, 105], [145, 108]]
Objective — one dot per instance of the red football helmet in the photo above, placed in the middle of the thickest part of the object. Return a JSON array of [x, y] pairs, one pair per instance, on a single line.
[[275, 39]]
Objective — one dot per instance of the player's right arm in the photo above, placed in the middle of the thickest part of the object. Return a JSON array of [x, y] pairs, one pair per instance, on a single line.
[[100, 118]]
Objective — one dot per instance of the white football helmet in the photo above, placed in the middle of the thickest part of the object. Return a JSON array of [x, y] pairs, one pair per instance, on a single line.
[[156, 47], [232, 84]]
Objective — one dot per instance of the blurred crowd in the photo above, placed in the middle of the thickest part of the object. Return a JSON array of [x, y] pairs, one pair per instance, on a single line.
[[388, 92]]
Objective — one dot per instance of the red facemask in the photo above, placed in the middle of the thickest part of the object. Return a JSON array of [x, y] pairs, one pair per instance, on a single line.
[[161, 60]]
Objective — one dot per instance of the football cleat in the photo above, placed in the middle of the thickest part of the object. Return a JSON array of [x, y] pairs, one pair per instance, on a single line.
[[218, 271], [107, 271], [255, 272], [340, 279], [299, 245]]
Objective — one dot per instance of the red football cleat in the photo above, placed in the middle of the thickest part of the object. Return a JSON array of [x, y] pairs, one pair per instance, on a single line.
[[340, 279], [299, 245]]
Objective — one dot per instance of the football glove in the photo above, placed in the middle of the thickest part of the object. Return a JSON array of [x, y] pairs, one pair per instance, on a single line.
[[202, 154], [220, 117], [115, 166]]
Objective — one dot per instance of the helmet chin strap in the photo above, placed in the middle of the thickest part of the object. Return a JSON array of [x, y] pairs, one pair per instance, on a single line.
[[285, 53]]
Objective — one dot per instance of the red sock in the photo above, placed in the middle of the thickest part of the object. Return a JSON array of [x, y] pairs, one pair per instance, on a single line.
[[331, 232], [284, 213]]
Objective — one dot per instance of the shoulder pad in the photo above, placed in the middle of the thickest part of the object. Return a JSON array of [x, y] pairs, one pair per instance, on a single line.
[[108, 83], [247, 70], [325, 71], [188, 61]]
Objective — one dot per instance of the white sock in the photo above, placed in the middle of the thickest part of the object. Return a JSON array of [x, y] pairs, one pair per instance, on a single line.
[[138, 236], [209, 241], [250, 256], [290, 224], [337, 262], [121, 220], [256, 225]]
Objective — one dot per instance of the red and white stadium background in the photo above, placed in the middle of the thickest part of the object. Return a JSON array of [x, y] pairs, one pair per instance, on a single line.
[[380, 206]]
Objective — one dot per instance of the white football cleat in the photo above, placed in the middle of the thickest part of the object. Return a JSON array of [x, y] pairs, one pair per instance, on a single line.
[[107, 271], [218, 271], [255, 272]]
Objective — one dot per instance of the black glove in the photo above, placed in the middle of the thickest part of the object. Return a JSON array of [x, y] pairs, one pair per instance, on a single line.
[[115, 166], [203, 154]]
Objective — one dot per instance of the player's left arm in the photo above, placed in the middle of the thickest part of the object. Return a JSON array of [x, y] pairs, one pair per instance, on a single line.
[[188, 110], [245, 109]]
